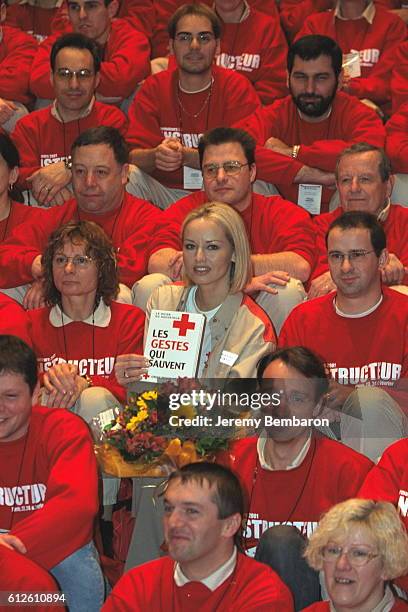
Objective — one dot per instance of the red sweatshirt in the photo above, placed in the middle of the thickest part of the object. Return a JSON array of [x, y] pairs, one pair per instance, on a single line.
[[130, 227], [41, 139], [156, 113], [13, 319], [151, 586], [92, 348], [272, 224], [49, 486], [399, 78], [261, 57], [18, 573], [396, 144], [320, 143], [357, 351], [139, 13], [125, 62], [388, 481], [33, 19], [165, 9], [19, 213], [395, 227], [371, 40], [330, 473], [324, 606], [293, 13], [17, 51]]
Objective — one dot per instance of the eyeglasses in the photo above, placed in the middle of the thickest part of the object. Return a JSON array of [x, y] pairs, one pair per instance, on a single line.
[[203, 38], [357, 256], [230, 168], [82, 75], [357, 557], [79, 261]]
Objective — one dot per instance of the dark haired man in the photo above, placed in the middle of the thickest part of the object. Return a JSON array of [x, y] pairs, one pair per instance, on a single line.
[[367, 30], [361, 333], [48, 482], [174, 107], [312, 125], [203, 509], [44, 137], [125, 51], [290, 473], [364, 182], [99, 177], [280, 233]]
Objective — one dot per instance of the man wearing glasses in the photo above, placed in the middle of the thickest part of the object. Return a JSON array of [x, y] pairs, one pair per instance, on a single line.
[[364, 182], [174, 107], [44, 138], [280, 233], [99, 177], [125, 51], [361, 333]]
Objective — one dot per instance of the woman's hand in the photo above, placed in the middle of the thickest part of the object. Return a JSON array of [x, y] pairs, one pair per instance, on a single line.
[[130, 368], [62, 386], [65, 399]]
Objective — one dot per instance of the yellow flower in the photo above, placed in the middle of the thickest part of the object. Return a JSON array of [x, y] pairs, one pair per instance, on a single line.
[[186, 412], [139, 418], [141, 404], [149, 395]]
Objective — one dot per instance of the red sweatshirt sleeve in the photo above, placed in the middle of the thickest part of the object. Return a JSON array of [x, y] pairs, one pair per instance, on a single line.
[[294, 13], [24, 244], [272, 167], [40, 83], [270, 83], [64, 523], [13, 319], [130, 322], [26, 136], [399, 76], [139, 225], [397, 140], [140, 14], [17, 50], [359, 124], [144, 124], [126, 60]]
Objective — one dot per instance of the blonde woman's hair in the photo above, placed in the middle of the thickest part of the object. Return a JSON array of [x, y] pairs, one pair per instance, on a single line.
[[234, 229], [382, 521]]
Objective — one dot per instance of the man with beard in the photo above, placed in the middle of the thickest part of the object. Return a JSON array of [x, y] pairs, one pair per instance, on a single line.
[[175, 107], [313, 124]]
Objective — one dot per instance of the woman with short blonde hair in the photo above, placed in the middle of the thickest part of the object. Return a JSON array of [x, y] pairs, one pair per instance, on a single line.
[[360, 545]]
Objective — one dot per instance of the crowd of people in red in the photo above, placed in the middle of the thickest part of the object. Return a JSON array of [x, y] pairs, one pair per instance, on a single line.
[[246, 160]]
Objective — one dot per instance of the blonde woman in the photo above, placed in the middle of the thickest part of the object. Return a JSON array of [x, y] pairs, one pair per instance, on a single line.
[[360, 545], [217, 264]]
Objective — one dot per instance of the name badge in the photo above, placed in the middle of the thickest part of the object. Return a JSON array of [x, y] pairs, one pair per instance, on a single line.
[[192, 178], [310, 198], [228, 358], [351, 65]]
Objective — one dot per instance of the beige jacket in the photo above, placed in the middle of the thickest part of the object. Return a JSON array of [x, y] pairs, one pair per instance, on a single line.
[[240, 327]]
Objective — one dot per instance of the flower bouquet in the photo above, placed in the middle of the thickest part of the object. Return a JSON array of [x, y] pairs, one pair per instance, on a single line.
[[141, 442]]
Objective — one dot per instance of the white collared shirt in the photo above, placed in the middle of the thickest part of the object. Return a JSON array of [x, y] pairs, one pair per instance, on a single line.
[[368, 13], [100, 317], [260, 447], [214, 580]]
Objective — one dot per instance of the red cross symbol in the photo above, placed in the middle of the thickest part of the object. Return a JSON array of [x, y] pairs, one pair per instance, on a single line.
[[183, 325]]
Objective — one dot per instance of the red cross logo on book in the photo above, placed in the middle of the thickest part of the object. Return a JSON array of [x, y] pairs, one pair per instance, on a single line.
[[183, 325]]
